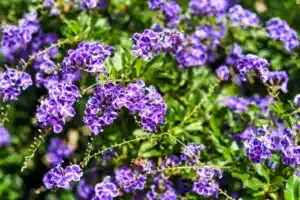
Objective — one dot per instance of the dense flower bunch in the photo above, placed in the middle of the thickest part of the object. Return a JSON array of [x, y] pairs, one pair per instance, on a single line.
[[4, 137], [58, 150], [16, 38], [55, 109], [59, 177], [241, 104], [206, 184], [208, 7], [105, 190], [88, 56], [260, 144], [12, 82], [250, 63], [238, 15], [170, 9], [277, 79], [85, 191], [191, 153], [150, 43], [144, 102], [280, 30]]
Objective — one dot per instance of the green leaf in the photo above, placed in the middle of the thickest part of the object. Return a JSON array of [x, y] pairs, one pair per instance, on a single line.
[[292, 188], [263, 171], [196, 126]]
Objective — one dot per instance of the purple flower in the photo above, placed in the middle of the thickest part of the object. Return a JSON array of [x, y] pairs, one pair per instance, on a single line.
[[49, 3], [15, 39], [172, 161], [85, 191], [149, 44], [208, 7], [191, 153], [12, 82], [223, 73], [145, 102], [58, 150], [4, 137], [172, 12], [277, 79], [239, 15], [73, 173], [205, 184], [236, 103], [155, 4], [56, 178], [297, 100], [279, 30], [88, 56], [129, 180], [298, 172], [190, 52], [249, 63], [235, 54], [161, 188], [55, 109], [85, 4], [105, 189]]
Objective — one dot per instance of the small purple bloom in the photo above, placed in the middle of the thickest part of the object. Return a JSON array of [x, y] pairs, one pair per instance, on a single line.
[[4, 137], [223, 73]]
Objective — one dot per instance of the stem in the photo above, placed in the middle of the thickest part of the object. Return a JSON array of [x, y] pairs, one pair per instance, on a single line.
[[198, 106], [85, 162], [32, 57]]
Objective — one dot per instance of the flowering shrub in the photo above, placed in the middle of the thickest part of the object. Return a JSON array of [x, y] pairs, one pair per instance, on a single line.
[[158, 99]]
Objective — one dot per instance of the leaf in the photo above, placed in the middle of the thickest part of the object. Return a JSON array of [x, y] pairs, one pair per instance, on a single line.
[[292, 188], [196, 126], [252, 183], [263, 171]]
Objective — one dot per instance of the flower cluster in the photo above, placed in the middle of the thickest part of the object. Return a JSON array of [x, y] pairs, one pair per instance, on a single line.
[[43, 61], [190, 52], [280, 30], [191, 153], [205, 184], [235, 54], [58, 150], [260, 144], [142, 101], [277, 79], [241, 104], [88, 56], [85, 191], [16, 38], [161, 188], [149, 44], [105, 190], [170, 9], [55, 109], [4, 137], [208, 7], [62, 178], [12, 82], [249, 63], [238, 15], [130, 180]]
